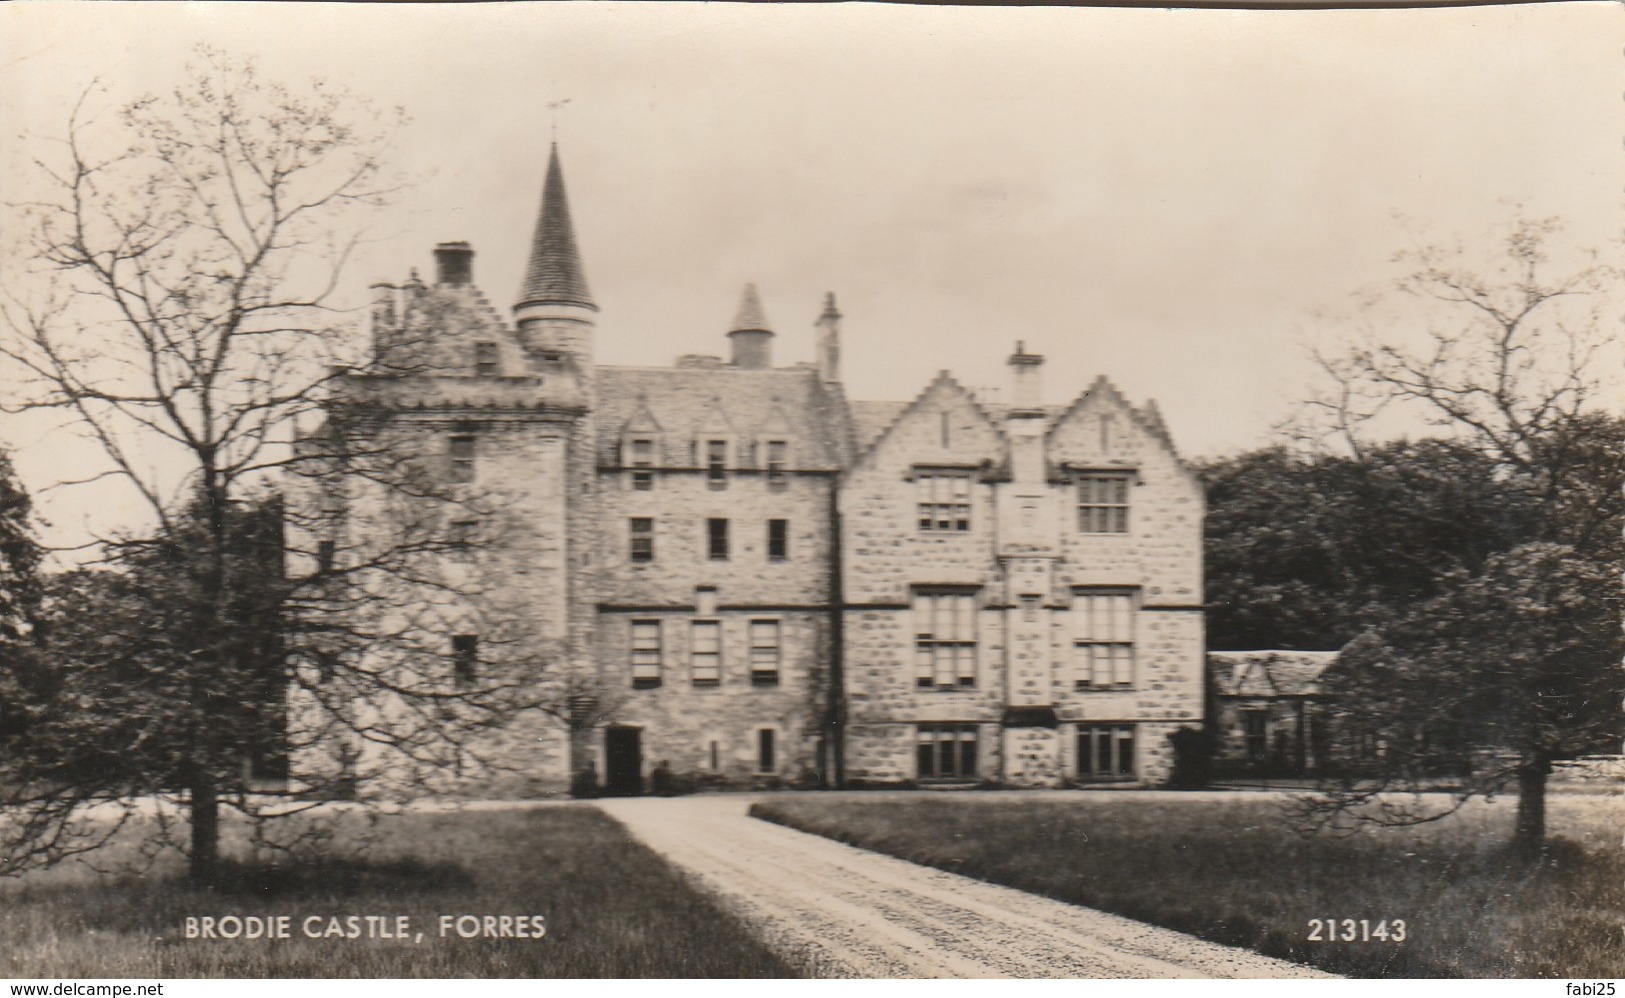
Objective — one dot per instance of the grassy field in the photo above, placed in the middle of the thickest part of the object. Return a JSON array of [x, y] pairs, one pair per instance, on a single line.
[[1230, 870], [612, 909]]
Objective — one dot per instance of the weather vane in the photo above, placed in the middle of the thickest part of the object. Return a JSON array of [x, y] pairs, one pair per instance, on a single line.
[[554, 106]]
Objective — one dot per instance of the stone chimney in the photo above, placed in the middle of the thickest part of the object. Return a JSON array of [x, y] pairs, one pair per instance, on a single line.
[[1026, 380], [829, 341], [1025, 421], [453, 263]]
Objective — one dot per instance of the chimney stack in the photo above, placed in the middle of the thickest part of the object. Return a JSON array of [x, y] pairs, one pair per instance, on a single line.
[[829, 341], [454, 263], [1026, 380]]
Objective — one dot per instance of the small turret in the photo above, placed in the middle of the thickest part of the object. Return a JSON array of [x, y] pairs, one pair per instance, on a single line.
[[555, 310], [750, 335]]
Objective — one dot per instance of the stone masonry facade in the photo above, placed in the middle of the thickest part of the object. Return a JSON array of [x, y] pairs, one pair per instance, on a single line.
[[764, 583]]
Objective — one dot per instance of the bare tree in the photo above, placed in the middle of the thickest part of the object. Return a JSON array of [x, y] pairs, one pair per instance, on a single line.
[[182, 316], [1502, 672]]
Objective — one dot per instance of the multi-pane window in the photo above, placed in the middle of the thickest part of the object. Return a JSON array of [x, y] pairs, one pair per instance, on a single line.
[[716, 539], [486, 361], [944, 501], [716, 464], [945, 640], [1103, 502], [1106, 751], [1103, 642], [1256, 729], [642, 538], [705, 652], [641, 456], [946, 751], [646, 657], [764, 652], [465, 658], [778, 540], [777, 459], [460, 453], [765, 763]]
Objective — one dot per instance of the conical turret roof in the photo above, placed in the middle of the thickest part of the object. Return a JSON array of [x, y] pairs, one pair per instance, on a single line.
[[554, 275], [750, 318]]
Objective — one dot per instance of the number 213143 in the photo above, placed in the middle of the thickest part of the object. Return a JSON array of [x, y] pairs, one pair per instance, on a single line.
[[1356, 930]]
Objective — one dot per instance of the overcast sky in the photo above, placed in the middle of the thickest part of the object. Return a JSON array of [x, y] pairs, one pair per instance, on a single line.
[[1161, 196]]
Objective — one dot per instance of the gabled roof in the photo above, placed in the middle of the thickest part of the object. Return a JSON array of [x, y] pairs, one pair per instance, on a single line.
[[691, 402], [944, 381], [1268, 673], [554, 275]]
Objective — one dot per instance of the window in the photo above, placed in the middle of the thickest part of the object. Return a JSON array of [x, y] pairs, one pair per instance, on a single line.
[[705, 653], [778, 540], [643, 539], [777, 458], [324, 556], [944, 501], [1103, 502], [945, 641], [764, 653], [715, 756], [1103, 646], [716, 539], [641, 456], [946, 751], [460, 453], [716, 464], [645, 654], [465, 658], [1255, 725], [1105, 751], [764, 750], [486, 362]]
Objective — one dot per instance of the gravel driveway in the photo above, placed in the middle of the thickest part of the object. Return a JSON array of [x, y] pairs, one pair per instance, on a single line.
[[837, 911]]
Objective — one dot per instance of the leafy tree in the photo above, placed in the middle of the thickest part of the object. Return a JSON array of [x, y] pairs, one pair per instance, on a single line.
[[1507, 663], [1302, 550], [19, 557], [181, 315]]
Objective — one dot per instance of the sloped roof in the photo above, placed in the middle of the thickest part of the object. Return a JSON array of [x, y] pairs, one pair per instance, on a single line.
[[687, 402], [554, 275], [870, 419], [1268, 673]]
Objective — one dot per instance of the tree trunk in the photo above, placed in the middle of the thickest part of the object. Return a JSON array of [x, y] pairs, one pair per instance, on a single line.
[[205, 852], [1529, 834]]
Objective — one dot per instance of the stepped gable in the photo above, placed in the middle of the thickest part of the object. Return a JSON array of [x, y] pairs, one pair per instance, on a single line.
[[684, 401]]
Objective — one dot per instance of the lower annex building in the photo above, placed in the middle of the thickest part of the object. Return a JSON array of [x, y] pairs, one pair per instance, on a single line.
[[768, 583]]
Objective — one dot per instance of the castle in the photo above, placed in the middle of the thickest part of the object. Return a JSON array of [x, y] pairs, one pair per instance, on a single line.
[[774, 584]]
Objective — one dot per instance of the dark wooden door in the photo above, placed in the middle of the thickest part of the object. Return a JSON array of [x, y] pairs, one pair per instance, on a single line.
[[623, 761]]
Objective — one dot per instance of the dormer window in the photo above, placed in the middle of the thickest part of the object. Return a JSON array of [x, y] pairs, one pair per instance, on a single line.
[[778, 460], [487, 363], [716, 464], [640, 455]]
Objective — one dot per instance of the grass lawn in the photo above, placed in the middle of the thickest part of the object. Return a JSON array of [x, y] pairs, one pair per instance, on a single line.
[[612, 909], [1231, 870]]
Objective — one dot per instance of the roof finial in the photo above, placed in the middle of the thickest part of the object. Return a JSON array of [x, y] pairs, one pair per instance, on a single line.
[[555, 106]]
